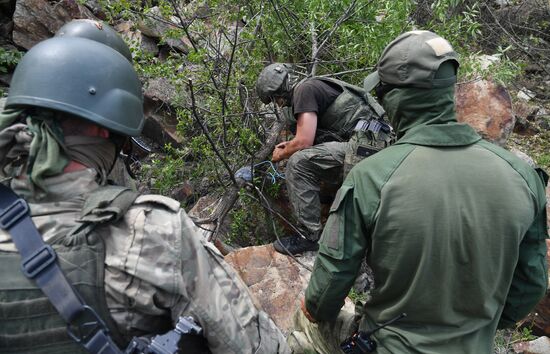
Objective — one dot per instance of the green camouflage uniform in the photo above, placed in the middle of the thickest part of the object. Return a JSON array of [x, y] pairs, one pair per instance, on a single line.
[[157, 268], [328, 161]]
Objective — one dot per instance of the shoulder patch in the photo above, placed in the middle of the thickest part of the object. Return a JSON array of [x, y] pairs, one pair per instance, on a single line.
[[169, 203], [440, 46]]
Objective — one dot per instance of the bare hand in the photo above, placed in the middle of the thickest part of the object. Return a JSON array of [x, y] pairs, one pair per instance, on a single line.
[[278, 152], [306, 313]]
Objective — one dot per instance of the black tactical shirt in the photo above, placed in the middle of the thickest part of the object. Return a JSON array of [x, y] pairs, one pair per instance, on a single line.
[[314, 95]]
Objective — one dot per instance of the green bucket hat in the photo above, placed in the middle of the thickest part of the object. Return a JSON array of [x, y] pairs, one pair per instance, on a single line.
[[412, 60]]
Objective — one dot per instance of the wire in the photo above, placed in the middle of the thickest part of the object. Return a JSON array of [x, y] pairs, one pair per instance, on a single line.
[[275, 174]]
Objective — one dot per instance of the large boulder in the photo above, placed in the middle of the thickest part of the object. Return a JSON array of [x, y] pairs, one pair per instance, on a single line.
[[155, 26], [36, 20], [136, 39], [487, 107], [276, 281], [538, 346]]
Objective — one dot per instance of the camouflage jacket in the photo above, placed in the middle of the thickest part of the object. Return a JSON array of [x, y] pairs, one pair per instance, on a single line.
[[157, 268]]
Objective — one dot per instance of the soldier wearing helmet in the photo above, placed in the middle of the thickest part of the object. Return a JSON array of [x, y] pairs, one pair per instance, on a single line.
[[325, 113], [138, 261], [452, 226]]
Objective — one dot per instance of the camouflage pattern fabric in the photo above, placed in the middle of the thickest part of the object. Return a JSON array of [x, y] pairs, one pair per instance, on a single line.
[[304, 172], [363, 144], [158, 268], [328, 162], [322, 337]]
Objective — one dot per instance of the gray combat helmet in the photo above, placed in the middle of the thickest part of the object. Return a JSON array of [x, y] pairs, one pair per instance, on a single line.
[[81, 77], [413, 60], [274, 80], [96, 31]]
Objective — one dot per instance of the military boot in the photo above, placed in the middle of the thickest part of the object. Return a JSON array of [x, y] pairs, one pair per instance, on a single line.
[[294, 245]]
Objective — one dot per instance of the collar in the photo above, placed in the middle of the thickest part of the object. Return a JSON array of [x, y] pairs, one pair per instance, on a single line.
[[60, 187], [448, 134]]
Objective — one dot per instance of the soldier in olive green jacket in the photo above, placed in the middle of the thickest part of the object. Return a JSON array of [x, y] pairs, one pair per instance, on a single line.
[[453, 226]]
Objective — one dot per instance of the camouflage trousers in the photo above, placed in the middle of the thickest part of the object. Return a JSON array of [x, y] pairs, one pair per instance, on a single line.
[[323, 337], [326, 162]]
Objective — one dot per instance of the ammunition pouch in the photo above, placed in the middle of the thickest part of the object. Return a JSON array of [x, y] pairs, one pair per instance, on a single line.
[[368, 138]]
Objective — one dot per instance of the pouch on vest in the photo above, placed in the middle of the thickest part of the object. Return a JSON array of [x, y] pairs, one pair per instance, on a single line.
[[333, 236], [347, 109], [31, 324], [364, 143]]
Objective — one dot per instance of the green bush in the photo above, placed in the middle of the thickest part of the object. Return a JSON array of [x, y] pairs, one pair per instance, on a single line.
[[9, 59], [221, 121]]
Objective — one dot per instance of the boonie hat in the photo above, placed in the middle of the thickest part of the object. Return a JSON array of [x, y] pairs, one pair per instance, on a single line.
[[412, 60]]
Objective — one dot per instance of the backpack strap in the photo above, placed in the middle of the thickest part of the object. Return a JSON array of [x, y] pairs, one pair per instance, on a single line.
[[39, 263], [360, 91]]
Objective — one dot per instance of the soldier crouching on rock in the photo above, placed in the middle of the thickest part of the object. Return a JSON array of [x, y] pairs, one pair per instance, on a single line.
[[336, 125]]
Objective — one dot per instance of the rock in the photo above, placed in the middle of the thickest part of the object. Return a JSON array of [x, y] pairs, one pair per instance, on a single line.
[[136, 39], [36, 20], [95, 7], [161, 129], [160, 89], [204, 207], [526, 95], [538, 346], [160, 125], [503, 3], [485, 61], [526, 111], [276, 281], [487, 107], [154, 25], [525, 127], [183, 193]]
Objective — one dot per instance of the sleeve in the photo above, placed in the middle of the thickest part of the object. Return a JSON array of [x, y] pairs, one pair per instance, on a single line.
[[214, 294], [341, 250], [305, 98], [530, 279]]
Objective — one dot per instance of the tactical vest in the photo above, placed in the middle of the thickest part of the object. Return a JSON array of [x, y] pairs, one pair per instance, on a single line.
[[29, 322], [339, 120]]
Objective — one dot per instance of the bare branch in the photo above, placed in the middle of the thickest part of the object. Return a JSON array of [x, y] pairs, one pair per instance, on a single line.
[[515, 40], [314, 49], [228, 78], [346, 15], [191, 39], [205, 131]]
